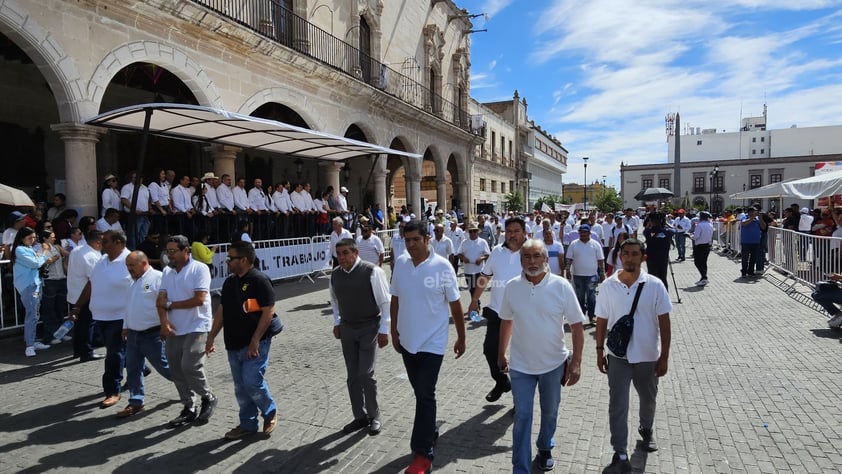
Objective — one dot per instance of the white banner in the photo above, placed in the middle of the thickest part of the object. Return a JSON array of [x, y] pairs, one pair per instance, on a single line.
[[278, 259]]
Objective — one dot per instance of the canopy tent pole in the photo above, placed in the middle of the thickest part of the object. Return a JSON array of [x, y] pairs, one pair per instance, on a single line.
[[144, 139]]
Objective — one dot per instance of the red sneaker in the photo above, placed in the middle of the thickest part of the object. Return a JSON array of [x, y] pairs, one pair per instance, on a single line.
[[420, 465]]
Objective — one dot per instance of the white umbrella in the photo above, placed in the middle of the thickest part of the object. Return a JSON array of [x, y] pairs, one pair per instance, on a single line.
[[14, 197]]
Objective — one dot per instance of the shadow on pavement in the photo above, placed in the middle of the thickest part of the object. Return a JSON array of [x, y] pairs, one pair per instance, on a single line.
[[45, 417], [318, 456], [192, 458], [827, 333], [638, 459], [45, 363], [97, 452]]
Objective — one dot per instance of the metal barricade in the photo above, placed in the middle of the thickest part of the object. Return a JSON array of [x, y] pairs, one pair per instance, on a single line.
[[806, 258], [386, 237], [9, 316], [277, 258]]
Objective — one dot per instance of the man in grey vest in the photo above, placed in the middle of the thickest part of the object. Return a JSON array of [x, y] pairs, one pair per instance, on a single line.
[[359, 293]]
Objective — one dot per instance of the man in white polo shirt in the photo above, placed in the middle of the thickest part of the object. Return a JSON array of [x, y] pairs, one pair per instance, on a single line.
[[425, 295], [81, 262], [184, 309], [502, 266], [456, 235], [142, 330], [473, 252], [339, 233], [442, 245], [647, 355], [535, 308], [110, 282]]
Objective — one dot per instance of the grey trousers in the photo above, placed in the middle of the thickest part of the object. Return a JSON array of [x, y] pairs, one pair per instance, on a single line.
[[186, 355], [620, 374], [359, 346]]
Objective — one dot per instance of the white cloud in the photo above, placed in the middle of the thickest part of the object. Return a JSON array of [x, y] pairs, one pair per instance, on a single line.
[[492, 7]]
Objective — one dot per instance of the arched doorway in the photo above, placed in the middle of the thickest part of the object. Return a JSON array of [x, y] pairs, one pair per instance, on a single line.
[[33, 156], [396, 192], [274, 168], [117, 152]]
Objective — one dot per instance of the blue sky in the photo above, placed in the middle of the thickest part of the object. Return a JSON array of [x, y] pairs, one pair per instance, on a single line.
[[601, 75]]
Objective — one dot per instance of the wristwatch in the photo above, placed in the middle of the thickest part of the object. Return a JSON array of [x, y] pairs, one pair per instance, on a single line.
[[168, 305]]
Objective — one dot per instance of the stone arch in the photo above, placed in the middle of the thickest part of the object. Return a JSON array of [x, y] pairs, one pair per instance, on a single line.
[[174, 59], [58, 68], [300, 103]]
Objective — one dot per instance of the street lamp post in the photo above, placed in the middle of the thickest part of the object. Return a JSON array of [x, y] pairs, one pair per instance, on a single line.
[[585, 199], [713, 179]]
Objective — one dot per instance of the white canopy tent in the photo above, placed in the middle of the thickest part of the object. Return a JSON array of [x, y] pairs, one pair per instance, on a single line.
[[820, 185], [774, 190], [193, 122]]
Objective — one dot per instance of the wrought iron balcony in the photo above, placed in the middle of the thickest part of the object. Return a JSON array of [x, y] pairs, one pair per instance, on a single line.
[[269, 18]]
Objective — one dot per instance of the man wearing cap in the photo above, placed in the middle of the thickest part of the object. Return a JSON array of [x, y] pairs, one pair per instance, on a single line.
[[751, 258], [342, 203], [681, 225], [14, 222], [805, 225], [584, 256], [473, 252], [702, 238]]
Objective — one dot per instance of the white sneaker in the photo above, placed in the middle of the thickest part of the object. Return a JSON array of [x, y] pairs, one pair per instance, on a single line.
[[66, 339], [40, 346], [55, 341], [702, 282], [30, 351], [836, 321]]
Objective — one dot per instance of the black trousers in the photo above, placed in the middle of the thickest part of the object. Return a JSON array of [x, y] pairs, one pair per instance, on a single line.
[[490, 346], [700, 259]]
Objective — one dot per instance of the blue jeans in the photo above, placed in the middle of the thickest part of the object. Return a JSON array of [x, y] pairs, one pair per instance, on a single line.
[[549, 396], [115, 355], [585, 287], [680, 244], [31, 298], [140, 346], [422, 370], [250, 387]]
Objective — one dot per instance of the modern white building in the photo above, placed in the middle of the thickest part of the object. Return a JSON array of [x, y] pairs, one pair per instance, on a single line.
[[546, 163]]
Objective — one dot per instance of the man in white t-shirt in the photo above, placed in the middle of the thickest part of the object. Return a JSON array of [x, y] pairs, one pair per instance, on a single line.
[[110, 282], [369, 246], [555, 253], [425, 295], [441, 244], [535, 308], [647, 355], [453, 232], [584, 260], [607, 233], [633, 221], [502, 266], [339, 233], [473, 252], [184, 308]]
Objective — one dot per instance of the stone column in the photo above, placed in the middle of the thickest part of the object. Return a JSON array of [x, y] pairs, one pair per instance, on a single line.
[[460, 190], [331, 173], [441, 194], [80, 165], [379, 183], [413, 192], [223, 159]]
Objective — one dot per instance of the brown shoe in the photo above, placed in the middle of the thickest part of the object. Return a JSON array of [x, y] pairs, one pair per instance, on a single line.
[[238, 433], [270, 423], [129, 411], [109, 401]]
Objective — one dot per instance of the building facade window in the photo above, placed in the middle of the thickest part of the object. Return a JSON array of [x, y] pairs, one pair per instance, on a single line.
[[493, 186], [482, 184], [775, 177], [664, 183], [493, 144], [698, 142], [755, 181], [511, 186], [647, 182], [698, 184], [503, 187], [753, 139], [718, 184]]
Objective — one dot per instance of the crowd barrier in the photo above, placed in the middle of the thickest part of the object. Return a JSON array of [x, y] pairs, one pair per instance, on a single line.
[[806, 258]]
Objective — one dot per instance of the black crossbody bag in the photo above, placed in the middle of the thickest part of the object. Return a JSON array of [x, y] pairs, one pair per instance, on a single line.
[[621, 333]]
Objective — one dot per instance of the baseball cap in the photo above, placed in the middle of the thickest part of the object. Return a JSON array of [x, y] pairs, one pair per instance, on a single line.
[[584, 228], [343, 189]]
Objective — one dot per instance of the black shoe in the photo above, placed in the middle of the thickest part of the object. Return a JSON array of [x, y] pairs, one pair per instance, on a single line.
[[618, 466], [147, 371], [208, 405], [647, 443], [544, 460], [355, 425], [186, 416], [497, 392], [92, 357], [374, 427]]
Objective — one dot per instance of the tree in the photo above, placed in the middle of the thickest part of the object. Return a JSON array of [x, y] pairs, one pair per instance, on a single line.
[[513, 201], [608, 201]]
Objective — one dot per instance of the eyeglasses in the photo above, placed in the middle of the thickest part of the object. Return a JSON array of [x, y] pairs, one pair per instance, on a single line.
[[233, 257], [172, 251]]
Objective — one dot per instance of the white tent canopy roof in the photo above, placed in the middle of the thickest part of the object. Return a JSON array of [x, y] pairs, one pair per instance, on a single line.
[[820, 185], [193, 122], [774, 190]]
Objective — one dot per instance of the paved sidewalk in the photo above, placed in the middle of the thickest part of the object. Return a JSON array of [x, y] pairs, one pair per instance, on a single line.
[[753, 387]]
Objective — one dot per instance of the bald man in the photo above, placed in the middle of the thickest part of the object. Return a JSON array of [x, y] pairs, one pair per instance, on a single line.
[[141, 330]]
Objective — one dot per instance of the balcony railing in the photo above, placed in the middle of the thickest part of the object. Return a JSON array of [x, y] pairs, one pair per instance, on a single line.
[[271, 19]]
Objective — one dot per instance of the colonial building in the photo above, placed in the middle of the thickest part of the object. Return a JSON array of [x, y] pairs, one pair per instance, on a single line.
[[395, 74]]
